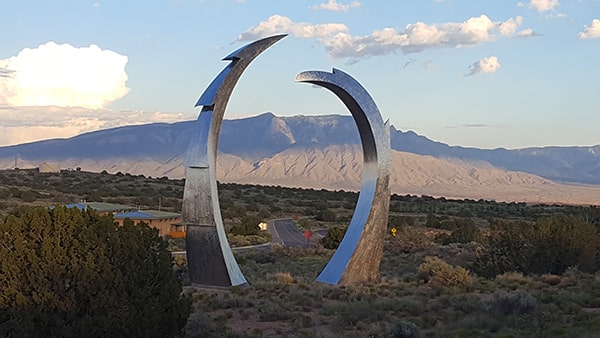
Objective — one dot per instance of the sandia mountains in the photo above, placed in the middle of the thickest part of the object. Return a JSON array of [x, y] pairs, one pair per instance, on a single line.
[[324, 152]]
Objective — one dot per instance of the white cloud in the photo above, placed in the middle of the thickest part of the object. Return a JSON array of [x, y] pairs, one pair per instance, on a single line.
[[278, 24], [31, 123], [591, 31], [543, 5], [332, 5], [63, 75], [510, 26], [414, 38], [527, 33], [485, 65]]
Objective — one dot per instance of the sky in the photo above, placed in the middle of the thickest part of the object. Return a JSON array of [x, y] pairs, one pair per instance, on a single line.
[[475, 73]]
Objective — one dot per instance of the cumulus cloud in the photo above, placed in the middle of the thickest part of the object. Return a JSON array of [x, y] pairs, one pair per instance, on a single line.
[[63, 75], [415, 37], [541, 5], [333, 5], [510, 26], [485, 65], [6, 72], [26, 124], [281, 24], [591, 31], [527, 33]]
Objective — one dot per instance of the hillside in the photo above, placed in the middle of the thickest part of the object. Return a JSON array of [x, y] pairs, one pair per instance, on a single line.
[[340, 168], [323, 152]]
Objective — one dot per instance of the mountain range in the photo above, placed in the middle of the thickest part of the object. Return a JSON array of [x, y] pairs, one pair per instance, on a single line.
[[324, 152]]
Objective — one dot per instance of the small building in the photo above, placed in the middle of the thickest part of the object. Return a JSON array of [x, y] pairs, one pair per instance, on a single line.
[[177, 230], [167, 223], [161, 220], [103, 208]]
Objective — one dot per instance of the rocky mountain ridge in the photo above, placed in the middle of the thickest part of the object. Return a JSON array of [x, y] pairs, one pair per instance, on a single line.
[[324, 152]]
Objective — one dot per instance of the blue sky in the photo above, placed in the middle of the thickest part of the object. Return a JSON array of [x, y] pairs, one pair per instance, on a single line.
[[483, 73]]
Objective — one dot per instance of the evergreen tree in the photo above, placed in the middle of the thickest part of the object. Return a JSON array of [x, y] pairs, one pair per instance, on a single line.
[[71, 273], [334, 237], [550, 245]]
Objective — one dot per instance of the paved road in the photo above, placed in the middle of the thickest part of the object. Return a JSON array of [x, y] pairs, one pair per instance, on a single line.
[[285, 232]]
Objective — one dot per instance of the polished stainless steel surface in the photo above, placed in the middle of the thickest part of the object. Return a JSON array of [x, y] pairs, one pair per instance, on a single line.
[[359, 255], [210, 260]]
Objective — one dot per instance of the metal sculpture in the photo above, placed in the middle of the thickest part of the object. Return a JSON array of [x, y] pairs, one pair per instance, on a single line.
[[359, 255], [210, 259]]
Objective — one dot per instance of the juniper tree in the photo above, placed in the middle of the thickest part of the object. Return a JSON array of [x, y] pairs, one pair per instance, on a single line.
[[71, 273]]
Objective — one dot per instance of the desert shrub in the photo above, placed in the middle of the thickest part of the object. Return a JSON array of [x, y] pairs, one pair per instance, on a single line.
[[248, 226], [264, 213], [438, 273], [334, 237], [400, 221], [326, 215], [299, 252], [29, 196], [513, 280], [550, 279], [408, 240], [512, 303], [271, 312], [284, 277], [465, 232], [351, 313], [551, 245], [304, 321], [405, 329]]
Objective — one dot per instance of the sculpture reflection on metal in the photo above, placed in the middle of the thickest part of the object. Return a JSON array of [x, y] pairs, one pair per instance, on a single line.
[[359, 255], [210, 259]]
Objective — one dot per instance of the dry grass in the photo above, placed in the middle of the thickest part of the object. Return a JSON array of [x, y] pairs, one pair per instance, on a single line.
[[284, 300]]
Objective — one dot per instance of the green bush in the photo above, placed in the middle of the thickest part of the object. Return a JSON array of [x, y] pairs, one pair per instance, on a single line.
[[326, 215], [334, 237], [405, 329], [71, 273], [248, 226], [512, 303], [409, 240], [551, 245], [465, 232]]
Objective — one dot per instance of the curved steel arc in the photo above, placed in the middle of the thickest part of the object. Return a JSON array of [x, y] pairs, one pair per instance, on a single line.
[[210, 259], [359, 254]]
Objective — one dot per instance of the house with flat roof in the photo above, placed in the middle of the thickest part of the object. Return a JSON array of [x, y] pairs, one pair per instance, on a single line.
[[102, 208], [162, 220], [167, 223]]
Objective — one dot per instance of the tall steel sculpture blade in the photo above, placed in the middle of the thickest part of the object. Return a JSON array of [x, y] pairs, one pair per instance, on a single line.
[[210, 259], [359, 255]]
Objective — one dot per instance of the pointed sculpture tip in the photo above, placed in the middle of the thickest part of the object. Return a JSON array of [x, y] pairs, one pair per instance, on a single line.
[[263, 43]]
